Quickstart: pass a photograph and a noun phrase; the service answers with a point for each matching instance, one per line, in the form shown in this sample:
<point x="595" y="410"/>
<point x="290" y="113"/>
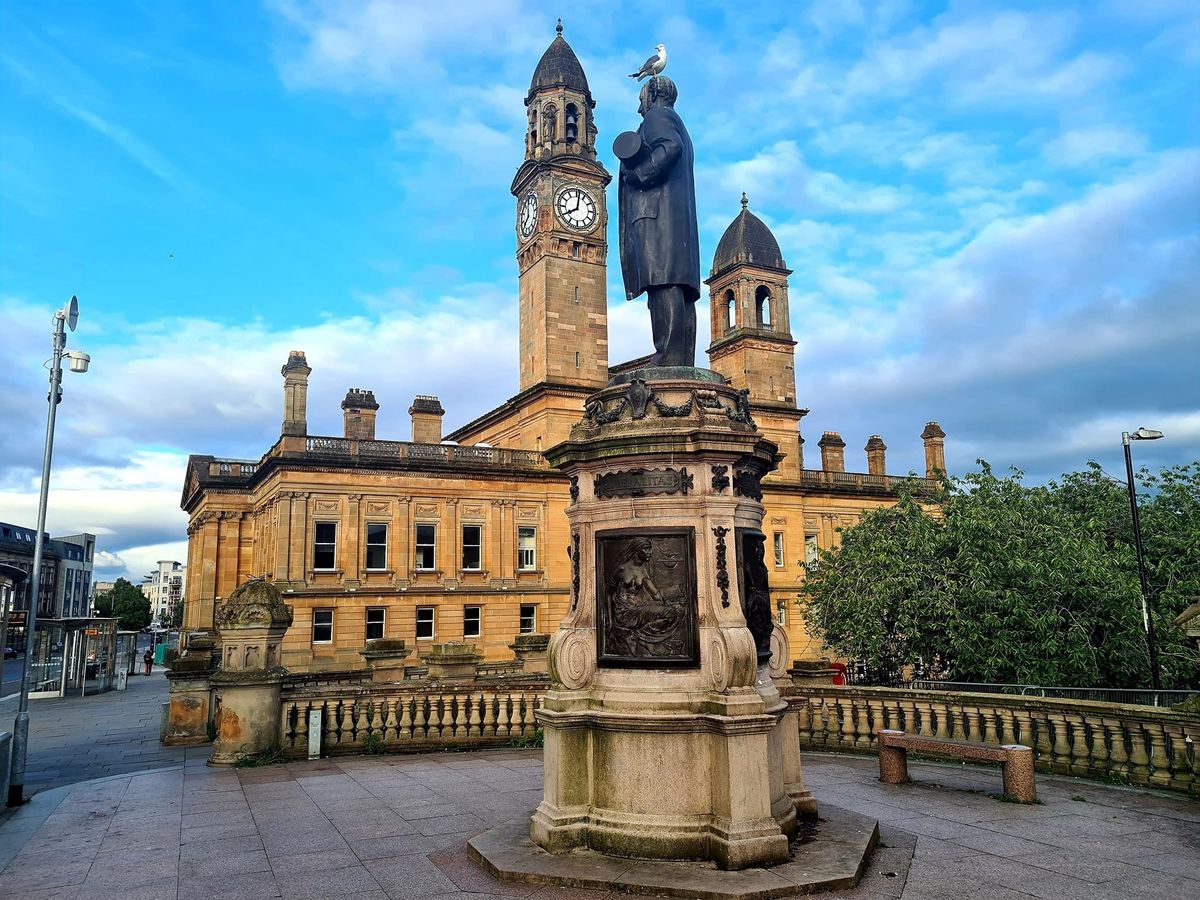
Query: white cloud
<point x="1080" y="146"/>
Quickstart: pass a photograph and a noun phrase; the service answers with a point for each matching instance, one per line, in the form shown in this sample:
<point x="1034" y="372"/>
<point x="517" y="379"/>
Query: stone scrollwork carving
<point x="594" y="412"/>
<point x="722" y="568"/>
<point x="574" y="489"/>
<point x="778" y="666"/>
<point x="746" y="484"/>
<point x="572" y="657"/>
<point x="718" y="662"/>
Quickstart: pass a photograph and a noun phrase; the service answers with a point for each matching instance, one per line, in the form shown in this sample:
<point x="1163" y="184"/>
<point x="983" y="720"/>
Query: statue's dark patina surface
<point x="660" y="245"/>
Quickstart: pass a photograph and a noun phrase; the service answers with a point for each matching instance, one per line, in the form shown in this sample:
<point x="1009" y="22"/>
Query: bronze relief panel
<point x="646" y="598"/>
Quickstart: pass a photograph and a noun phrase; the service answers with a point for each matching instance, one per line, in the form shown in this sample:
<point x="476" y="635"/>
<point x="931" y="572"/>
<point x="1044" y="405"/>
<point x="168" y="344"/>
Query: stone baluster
<point x="846" y="715"/>
<point x="990" y="735"/>
<point x="362" y="724"/>
<point x="1061" y="758"/>
<point x="502" y="729"/>
<point x="405" y="731"/>
<point x="942" y="730"/>
<point x="1118" y="748"/>
<point x="862" y="736"/>
<point x="434" y="723"/>
<point x="908" y="718"/>
<point x="878" y="718"/>
<point x="971" y="715"/>
<point x="1006" y="732"/>
<point x="1080" y="751"/>
<point x="925" y="709"/>
<point x="489" y="714"/>
<point x="1099" y="758"/>
<point x="474" y="722"/>
<point x="460" y="716"/>
<point x="346" y="724"/>
<point x="1040" y="720"/>
<point x="419" y="729"/>
<point x="1160" y="765"/>
<point x="287" y="728"/>
<point x="804" y="721"/>
<point x="1182" y="777"/>
<point x="1139" y="759"/>
<point x="390" y="729"/>
<point x="530" y="720"/>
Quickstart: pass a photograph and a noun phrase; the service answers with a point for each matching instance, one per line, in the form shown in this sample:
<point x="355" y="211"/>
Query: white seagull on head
<point x="654" y="65"/>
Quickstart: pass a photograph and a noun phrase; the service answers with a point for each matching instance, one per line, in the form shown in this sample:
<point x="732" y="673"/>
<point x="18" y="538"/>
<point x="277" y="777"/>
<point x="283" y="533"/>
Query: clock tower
<point x="561" y="222"/>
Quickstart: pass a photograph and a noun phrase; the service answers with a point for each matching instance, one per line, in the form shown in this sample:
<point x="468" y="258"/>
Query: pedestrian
<point x="148" y="659"/>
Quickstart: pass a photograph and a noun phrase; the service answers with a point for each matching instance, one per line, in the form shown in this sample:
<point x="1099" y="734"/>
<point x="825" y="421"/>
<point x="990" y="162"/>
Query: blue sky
<point x="991" y="210"/>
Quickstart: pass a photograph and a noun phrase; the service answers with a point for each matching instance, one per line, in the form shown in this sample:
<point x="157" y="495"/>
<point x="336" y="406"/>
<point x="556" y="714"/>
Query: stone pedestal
<point x="385" y="659"/>
<point x="665" y="734"/>
<point x="452" y="661"/>
<point x="533" y="651"/>
<point x="189" y="710"/>
<point x="251" y="625"/>
<point x="812" y="673"/>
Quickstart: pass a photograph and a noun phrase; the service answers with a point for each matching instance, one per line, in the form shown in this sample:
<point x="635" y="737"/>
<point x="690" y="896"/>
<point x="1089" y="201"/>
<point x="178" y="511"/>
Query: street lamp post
<point x="1142" y="434"/>
<point x="63" y="319"/>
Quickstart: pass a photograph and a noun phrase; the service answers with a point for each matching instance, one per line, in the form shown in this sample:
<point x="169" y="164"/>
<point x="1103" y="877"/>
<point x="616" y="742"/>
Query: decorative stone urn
<point x="665" y="733"/>
<point x="251" y="625"/>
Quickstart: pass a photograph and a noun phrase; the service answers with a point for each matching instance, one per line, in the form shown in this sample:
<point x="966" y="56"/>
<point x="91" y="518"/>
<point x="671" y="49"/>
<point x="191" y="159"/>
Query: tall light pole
<point x="1142" y="434"/>
<point x="63" y="319"/>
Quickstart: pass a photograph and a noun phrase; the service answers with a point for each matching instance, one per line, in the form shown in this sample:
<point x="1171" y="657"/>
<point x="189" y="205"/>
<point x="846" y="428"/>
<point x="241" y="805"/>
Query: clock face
<point x="576" y="208"/>
<point x="527" y="217"/>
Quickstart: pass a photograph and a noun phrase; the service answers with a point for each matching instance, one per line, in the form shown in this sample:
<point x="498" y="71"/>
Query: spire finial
<point x="745" y="202"/>
<point x="558" y="27"/>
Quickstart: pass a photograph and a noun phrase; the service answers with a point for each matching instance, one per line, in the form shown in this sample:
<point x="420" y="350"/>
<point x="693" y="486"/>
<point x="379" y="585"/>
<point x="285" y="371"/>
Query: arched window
<point x="762" y="306"/>
<point x="550" y="122"/>
<point x="730" y="311"/>
<point x="533" y="129"/>
<point x="572" y="123"/>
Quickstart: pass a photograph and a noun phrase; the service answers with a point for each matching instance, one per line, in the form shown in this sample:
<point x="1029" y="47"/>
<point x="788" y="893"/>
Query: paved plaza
<point x="115" y="815"/>
<point x="397" y="826"/>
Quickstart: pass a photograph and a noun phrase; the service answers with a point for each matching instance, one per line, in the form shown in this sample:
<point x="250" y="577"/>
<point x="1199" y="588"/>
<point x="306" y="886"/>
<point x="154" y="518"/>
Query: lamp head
<point x="1145" y="434"/>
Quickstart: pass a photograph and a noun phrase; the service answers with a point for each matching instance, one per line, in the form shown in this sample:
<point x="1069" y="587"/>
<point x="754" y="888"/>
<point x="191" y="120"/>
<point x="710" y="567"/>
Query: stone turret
<point x="833" y="452"/>
<point x="358" y="413"/>
<point x="935" y="449"/>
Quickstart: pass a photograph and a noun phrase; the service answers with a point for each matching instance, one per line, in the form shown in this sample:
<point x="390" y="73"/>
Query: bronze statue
<point x="660" y="244"/>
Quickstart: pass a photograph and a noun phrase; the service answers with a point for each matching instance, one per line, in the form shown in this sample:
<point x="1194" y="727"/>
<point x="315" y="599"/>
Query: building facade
<point x="163" y="587"/>
<point x="64" y="587"/>
<point x="462" y="536"/>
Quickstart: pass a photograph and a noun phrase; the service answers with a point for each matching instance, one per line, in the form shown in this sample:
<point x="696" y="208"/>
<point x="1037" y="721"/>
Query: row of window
<point x="376" y="621"/>
<point x="810" y="550"/>
<point x="424" y="547"/>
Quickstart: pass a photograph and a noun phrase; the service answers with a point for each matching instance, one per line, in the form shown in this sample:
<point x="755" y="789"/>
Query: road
<point x="10" y="683"/>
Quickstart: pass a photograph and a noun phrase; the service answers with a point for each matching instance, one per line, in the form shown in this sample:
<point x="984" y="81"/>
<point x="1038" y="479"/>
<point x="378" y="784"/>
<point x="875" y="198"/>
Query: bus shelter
<point x="73" y="655"/>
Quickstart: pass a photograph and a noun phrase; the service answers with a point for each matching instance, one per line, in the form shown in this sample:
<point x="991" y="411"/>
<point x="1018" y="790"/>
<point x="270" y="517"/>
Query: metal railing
<point x="1136" y="696"/>
<point x="496" y="456"/>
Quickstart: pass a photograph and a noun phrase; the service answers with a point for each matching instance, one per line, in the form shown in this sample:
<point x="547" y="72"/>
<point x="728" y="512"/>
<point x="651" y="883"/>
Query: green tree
<point x="127" y="603"/>
<point x="1013" y="583"/>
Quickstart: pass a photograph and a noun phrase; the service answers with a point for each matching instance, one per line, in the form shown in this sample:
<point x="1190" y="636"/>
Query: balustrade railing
<point x="861" y="480"/>
<point x="411" y="719"/>
<point x="1137" y="744"/>
<point x="498" y="456"/>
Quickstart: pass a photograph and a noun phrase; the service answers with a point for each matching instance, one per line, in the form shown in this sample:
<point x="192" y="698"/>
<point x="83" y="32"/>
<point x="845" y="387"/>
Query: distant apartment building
<point x="164" y="587"/>
<point x="65" y="581"/>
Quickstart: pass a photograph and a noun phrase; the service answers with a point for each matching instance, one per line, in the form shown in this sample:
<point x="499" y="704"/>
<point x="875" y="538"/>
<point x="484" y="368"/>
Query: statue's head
<point x="659" y="90"/>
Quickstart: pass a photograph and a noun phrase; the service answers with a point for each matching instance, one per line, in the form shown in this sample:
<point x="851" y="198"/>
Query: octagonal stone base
<point x="834" y="859"/>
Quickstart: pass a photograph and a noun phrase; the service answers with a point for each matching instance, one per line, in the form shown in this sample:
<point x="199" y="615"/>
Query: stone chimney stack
<point x="833" y="452"/>
<point x="935" y="449"/>
<point x="876" y="455"/>
<point x="426" y="414"/>
<point x="358" y="413"/>
<point x="295" y="395"/>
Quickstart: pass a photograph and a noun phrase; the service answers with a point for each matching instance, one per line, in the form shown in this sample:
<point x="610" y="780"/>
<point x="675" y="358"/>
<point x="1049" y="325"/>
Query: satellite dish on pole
<point x="73" y="312"/>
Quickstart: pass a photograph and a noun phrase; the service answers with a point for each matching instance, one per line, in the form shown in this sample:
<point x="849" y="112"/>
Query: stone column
<point x="251" y="625"/>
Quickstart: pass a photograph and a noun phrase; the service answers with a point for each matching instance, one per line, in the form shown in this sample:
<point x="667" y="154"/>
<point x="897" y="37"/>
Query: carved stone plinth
<point x="385" y="658"/>
<point x="533" y="651"/>
<point x="665" y="734"/>
<point x="251" y="625"/>
<point x="454" y="661"/>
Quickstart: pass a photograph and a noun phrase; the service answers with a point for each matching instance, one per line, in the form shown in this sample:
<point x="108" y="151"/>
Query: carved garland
<point x="574" y="570"/>
<point x="722" y="572"/>
<point x="668" y="411"/>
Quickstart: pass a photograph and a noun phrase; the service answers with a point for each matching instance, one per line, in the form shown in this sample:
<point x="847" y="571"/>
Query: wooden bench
<point x="1016" y="761"/>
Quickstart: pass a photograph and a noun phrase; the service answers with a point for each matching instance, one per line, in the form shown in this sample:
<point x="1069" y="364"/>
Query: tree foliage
<point x="1016" y="583"/>
<point x="127" y="603"/>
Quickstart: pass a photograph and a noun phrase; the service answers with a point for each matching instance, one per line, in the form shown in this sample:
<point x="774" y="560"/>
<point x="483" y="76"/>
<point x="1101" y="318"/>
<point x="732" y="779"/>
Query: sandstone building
<point x="462" y="536"/>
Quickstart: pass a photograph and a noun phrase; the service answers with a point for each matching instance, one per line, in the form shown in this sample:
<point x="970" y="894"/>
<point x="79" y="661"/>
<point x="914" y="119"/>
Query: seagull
<point x="654" y="65"/>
